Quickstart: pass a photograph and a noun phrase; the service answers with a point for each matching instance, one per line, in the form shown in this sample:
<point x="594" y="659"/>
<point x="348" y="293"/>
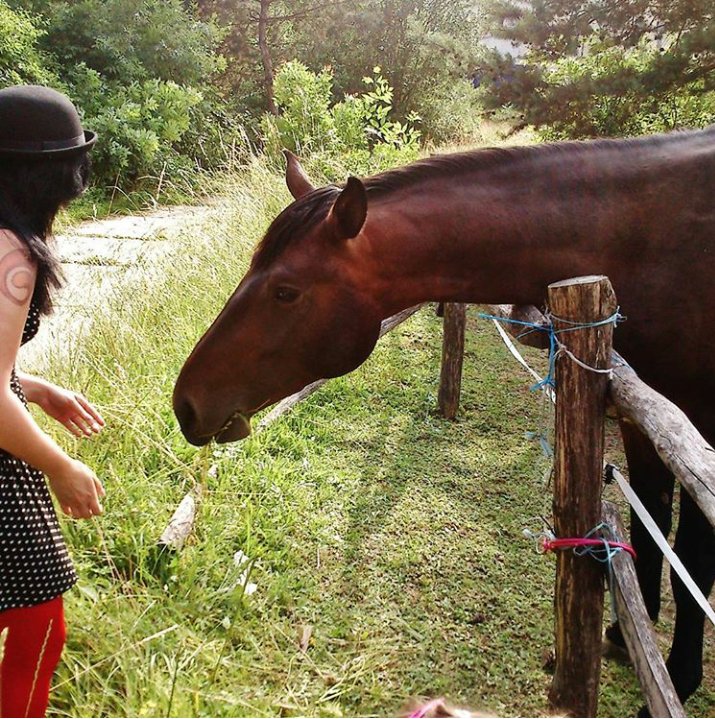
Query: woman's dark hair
<point x="32" y="190"/>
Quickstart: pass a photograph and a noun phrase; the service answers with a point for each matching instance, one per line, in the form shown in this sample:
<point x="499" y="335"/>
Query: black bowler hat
<point x="39" y="121"/>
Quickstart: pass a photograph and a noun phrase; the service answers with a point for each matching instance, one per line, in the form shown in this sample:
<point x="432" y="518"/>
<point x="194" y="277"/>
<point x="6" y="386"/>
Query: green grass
<point x="390" y="536"/>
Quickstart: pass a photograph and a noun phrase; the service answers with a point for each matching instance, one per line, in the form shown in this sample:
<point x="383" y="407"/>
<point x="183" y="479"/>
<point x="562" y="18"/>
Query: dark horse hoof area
<point x="614" y="646"/>
<point x="614" y="635"/>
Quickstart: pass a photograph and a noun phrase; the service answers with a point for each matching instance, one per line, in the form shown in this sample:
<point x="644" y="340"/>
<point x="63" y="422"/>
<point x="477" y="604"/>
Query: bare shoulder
<point x="17" y="270"/>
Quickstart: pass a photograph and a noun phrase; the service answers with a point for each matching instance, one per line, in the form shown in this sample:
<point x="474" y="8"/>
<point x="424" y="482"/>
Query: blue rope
<point x="605" y="555"/>
<point x="549" y="380"/>
<point x="546" y="448"/>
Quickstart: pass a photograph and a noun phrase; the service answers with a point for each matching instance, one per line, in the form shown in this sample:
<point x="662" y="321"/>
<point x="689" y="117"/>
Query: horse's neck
<point x="491" y="246"/>
<point x="500" y="233"/>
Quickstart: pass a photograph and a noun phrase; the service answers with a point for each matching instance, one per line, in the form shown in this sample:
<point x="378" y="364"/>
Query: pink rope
<point x="550" y="545"/>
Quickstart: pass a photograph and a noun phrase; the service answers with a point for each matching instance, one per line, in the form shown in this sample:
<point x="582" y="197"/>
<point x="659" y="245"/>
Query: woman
<point x="43" y="165"/>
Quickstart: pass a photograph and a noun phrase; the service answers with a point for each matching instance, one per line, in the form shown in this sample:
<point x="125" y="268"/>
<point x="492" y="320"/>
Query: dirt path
<point x="98" y="258"/>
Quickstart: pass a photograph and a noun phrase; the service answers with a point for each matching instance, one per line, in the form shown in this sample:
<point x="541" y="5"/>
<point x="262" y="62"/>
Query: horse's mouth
<point x="237" y="427"/>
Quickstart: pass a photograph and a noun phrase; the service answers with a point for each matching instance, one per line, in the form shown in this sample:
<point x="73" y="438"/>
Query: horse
<point x="491" y="226"/>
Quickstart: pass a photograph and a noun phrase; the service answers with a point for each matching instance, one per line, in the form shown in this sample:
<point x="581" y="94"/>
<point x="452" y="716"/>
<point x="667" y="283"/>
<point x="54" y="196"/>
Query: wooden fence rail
<point x="637" y="628"/>
<point x="182" y="521"/>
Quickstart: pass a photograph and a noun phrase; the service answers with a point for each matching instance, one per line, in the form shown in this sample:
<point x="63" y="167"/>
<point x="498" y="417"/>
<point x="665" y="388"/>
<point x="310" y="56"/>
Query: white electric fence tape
<point x="662" y="542"/>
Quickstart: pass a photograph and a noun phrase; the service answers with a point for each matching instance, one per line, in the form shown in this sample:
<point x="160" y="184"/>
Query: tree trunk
<point x="268" y="76"/>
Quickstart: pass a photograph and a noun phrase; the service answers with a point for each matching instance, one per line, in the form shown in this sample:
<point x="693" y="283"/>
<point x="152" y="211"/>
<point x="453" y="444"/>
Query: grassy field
<point x="385" y="543"/>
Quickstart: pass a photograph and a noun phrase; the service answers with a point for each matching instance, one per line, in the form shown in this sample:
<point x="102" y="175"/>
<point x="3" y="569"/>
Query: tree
<point x="606" y="67"/>
<point x="426" y="48"/>
<point x="258" y="37"/>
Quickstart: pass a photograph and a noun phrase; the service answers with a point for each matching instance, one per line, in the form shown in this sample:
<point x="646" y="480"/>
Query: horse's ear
<point x="349" y="210"/>
<point x="296" y="179"/>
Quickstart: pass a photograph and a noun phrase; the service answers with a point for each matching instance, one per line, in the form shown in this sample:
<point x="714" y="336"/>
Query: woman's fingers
<point x="100" y="489"/>
<point x="92" y="414"/>
<point x="84" y="419"/>
<point x="80" y="426"/>
<point x="74" y="428"/>
<point x="80" y="422"/>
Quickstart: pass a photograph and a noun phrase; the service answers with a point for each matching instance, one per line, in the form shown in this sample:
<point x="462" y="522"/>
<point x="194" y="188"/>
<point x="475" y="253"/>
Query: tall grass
<point x="386" y="544"/>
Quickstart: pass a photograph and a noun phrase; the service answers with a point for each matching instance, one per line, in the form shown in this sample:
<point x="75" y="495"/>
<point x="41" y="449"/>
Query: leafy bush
<point x="605" y="67"/>
<point x="357" y="132"/>
<point x="20" y="59"/>
<point x="138" y="125"/>
<point x="133" y="68"/>
<point x="129" y="40"/>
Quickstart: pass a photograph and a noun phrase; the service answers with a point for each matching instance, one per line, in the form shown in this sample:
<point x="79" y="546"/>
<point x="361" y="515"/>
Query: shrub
<point x="357" y="132"/>
<point x="619" y="102"/>
<point x="20" y="59"/>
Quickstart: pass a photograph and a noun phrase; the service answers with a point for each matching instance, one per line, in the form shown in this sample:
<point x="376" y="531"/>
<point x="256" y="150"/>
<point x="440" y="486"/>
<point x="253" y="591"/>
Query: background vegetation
<point x="176" y="88"/>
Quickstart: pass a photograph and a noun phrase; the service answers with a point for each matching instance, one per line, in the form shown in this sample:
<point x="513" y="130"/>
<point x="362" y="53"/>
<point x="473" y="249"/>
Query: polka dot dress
<point x="34" y="564"/>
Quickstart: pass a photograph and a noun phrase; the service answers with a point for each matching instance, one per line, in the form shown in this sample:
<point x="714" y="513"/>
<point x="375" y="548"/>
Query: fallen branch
<point x="182" y="521"/>
<point x="289" y="402"/>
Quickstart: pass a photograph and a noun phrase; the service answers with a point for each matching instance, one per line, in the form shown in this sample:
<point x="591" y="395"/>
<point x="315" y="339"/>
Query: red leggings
<point x="33" y="647"/>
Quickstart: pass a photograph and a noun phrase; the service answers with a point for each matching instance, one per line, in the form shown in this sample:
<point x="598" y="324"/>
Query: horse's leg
<point x="695" y="546"/>
<point x="653" y="483"/>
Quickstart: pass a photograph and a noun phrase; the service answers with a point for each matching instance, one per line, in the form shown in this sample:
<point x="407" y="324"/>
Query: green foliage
<point x="359" y="130"/>
<point x="607" y="68"/>
<point x="134" y="69"/>
<point x="605" y="92"/>
<point x="425" y="49"/>
<point x="21" y="61"/>
<point x="128" y="40"/>
<point x="140" y="124"/>
<point x="151" y="78"/>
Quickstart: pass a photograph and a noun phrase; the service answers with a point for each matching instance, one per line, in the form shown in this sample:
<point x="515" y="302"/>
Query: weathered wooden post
<point x="580" y="411"/>
<point x="450" y="384"/>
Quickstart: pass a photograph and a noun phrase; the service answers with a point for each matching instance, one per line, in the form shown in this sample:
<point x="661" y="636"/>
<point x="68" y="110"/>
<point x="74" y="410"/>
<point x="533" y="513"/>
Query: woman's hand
<point x="77" y="489"/>
<point x="70" y="409"/>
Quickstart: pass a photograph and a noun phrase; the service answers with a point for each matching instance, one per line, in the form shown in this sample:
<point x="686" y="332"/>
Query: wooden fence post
<point x="580" y="411"/>
<point x="450" y="384"/>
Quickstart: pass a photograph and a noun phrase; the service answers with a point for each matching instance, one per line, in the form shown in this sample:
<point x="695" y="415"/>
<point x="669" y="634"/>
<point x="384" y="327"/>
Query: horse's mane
<point x="454" y="165"/>
<point x="294" y="221"/>
<point x="305" y="213"/>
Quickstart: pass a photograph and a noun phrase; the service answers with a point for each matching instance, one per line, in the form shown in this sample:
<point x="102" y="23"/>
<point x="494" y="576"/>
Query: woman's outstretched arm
<point x="70" y="409"/>
<point x="74" y="484"/>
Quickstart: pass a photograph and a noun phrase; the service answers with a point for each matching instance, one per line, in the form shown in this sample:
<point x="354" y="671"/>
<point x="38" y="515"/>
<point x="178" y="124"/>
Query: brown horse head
<point x="300" y="314"/>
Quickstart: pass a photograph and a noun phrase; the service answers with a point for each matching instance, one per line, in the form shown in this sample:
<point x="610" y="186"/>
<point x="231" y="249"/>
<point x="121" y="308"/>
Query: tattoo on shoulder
<point x="17" y="274"/>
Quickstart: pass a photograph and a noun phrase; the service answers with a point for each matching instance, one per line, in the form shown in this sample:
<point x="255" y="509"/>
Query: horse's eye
<point x="286" y="294"/>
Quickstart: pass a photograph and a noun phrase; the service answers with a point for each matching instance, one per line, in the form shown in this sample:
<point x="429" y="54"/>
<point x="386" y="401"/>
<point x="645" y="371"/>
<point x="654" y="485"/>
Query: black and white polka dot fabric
<point x="34" y="564"/>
